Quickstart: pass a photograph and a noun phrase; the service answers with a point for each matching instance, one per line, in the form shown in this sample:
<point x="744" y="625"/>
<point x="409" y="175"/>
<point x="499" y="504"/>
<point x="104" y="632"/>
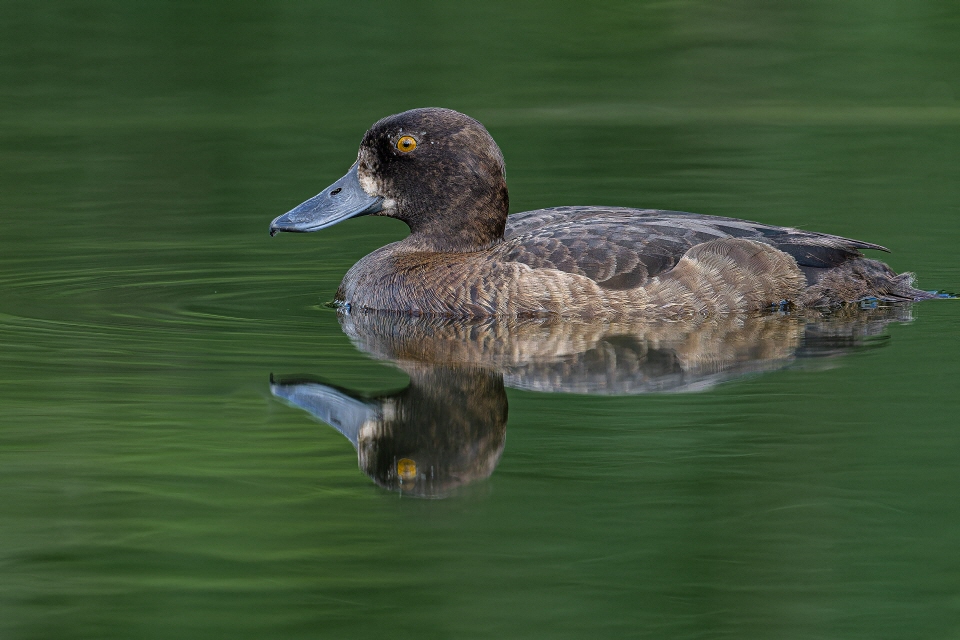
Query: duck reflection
<point x="447" y="428"/>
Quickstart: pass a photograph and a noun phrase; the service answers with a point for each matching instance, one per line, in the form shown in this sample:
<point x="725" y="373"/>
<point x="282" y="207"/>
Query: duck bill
<point x="328" y="404"/>
<point x="344" y="199"/>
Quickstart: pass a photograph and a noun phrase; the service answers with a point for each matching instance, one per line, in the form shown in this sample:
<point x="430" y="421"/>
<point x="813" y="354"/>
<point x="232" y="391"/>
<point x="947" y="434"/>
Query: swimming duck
<point x="441" y="173"/>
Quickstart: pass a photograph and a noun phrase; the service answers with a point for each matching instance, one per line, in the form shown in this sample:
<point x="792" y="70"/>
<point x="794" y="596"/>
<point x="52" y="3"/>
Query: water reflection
<point x="447" y="427"/>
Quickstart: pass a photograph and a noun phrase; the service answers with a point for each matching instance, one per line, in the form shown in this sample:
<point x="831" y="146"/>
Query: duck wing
<point x="622" y="248"/>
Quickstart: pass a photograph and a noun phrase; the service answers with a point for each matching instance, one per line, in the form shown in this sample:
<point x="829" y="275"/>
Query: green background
<point x="151" y="487"/>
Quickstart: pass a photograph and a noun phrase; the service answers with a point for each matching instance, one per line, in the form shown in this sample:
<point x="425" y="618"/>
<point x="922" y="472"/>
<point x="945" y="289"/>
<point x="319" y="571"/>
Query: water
<point x="152" y="485"/>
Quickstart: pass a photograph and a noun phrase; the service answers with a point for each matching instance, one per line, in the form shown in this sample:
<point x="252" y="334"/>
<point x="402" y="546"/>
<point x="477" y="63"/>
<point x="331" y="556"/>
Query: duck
<point x="441" y="172"/>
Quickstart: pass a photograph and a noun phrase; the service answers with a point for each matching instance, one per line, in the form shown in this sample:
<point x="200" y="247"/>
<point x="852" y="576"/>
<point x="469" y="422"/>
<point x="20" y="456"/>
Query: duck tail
<point x="862" y="279"/>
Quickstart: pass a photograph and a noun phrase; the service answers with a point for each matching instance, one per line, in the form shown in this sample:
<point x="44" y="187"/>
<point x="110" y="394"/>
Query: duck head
<point x="437" y="170"/>
<point x="446" y="429"/>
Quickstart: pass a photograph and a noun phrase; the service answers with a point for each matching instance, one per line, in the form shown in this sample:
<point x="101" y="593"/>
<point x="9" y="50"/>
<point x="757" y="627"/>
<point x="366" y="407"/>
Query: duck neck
<point x="470" y="219"/>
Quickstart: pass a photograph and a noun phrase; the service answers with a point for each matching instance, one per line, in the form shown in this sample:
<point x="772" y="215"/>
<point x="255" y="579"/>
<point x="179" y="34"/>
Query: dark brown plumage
<point x="464" y="257"/>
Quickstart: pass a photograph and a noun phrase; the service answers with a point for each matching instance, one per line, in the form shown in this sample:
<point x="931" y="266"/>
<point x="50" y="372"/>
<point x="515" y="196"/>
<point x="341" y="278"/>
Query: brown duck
<point x="441" y="173"/>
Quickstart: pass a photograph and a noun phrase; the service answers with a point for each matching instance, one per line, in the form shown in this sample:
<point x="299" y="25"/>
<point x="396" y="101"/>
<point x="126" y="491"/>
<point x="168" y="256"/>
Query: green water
<point x="152" y="486"/>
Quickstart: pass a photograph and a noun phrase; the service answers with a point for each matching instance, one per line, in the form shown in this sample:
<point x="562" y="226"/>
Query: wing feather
<point x="623" y="248"/>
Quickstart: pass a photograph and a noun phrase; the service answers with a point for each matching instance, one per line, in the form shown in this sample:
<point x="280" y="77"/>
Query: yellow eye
<point x="406" y="144"/>
<point x="407" y="468"/>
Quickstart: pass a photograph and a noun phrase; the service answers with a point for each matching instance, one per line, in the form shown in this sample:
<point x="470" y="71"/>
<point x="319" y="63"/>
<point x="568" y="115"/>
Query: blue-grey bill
<point x="328" y="404"/>
<point x="344" y="199"/>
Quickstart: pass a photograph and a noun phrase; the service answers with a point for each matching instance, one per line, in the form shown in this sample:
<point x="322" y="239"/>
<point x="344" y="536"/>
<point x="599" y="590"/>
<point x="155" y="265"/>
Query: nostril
<point x="336" y="191"/>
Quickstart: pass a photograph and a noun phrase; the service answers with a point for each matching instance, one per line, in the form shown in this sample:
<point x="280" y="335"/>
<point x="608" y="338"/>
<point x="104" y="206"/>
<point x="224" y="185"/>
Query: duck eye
<point x="407" y="468"/>
<point x="406" y="144"/>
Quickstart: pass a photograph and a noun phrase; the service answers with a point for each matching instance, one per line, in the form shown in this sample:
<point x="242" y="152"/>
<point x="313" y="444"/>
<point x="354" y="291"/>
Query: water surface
<point x="152" y="485"/>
